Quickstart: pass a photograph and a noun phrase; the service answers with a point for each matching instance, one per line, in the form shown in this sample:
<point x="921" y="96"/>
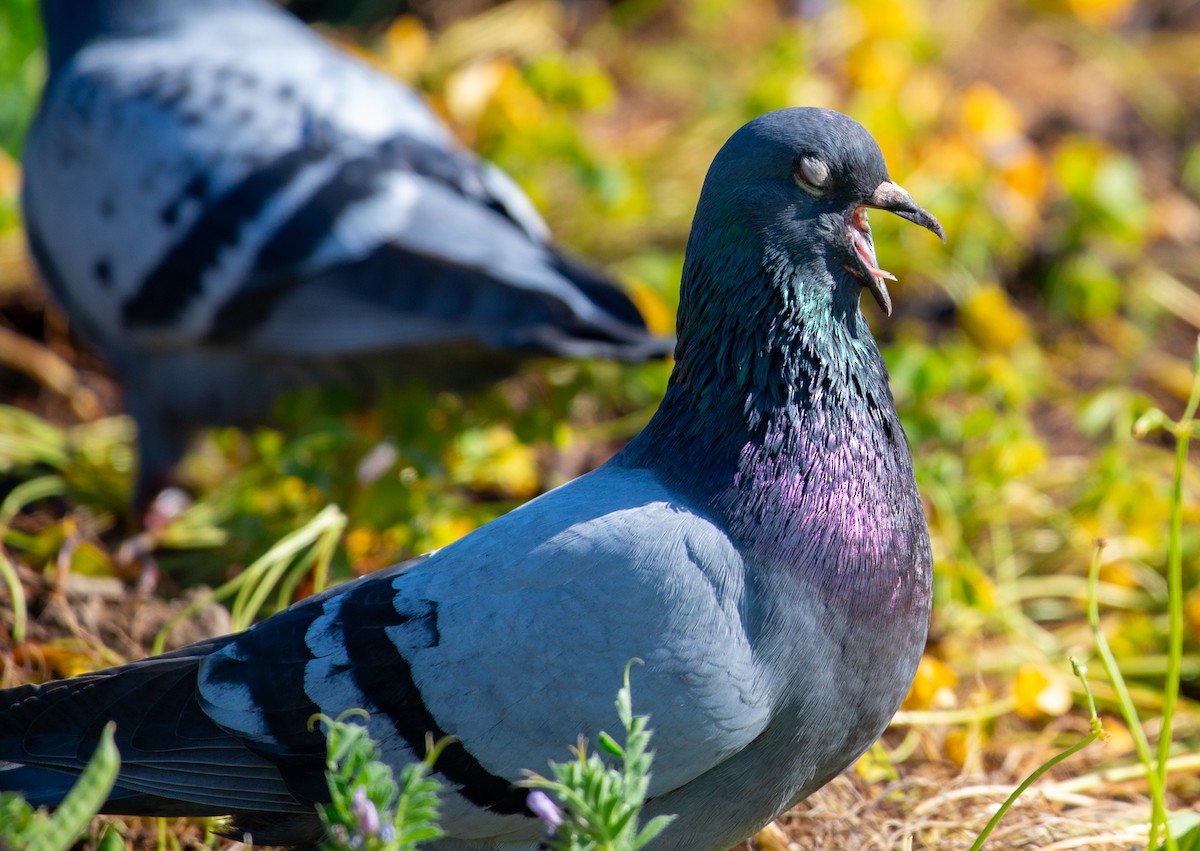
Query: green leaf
<point x="1151" y="421"/>
<point x="652" y="829"/>
<point x="609" y="745"/>
<point x="1185" y="827"/>
<point x="84" y="800"/>
<point x="111" y="840"/>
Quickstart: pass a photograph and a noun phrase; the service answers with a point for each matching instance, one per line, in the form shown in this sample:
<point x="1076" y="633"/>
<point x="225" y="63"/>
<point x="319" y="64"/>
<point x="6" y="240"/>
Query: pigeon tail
<point x="175" y="761"/>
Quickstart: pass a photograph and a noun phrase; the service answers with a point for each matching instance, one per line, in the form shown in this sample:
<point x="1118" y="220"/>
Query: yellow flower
<point x="447" y="530"/>
<point x="878" y="66"/>
<point x="521" y="108"/>
<point x="955" y="160"/>
<point x="1121" y="572"/>
<point x="471" y="90"/>
<point x="297" y="493"/>
<point x="963" y="746"/>
<point x="494" y="460"/>
<point x="10" y="177"/>
<point x="992" y="321"/>
<point x="360" y="543"/>
<point x="1025" y="173"/>
<point x="990" y="116"/>
<point x="924" y="96"/>
<point x="933" y="687"/>
<point x="660" y="316"/>
<point x="901" y="20"/>
<point x="1025" y="178"/>
<point x="405" y="47"/>
<point x="1040" y="693"/>
<point x="772" y="838"/>
<point x="1020" y="456"/>
<point x="1101" y="13"/>
<point x="1191" y="610"/>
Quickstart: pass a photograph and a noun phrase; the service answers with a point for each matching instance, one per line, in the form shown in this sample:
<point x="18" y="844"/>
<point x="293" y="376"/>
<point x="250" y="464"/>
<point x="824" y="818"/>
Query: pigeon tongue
<point x="860" y="233"/>
<point x="864" y="249"/>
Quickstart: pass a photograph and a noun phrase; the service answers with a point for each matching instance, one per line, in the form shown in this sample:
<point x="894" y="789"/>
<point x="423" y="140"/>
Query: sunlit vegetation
<point x="1055" y="140"/>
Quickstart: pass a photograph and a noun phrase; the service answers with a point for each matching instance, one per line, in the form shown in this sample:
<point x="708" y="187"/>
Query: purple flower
<point x="544" y="808"/>
<point x="366" y="813"/>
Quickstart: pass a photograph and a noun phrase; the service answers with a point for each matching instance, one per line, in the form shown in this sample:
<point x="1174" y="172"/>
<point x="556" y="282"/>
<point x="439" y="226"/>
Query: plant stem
<point x="1097" y="732"/>
<point x="1183" y="435"/>
<point x="17" y="499"/>
<point x="254" y="583"/>
<point x="938" y="717"/>
<point x="1158" y="814"/>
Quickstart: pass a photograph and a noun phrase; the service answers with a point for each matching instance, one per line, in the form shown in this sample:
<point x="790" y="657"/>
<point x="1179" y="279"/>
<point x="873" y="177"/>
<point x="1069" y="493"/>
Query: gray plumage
<point x="228" y="206"/>
<point x="761" y="545"/>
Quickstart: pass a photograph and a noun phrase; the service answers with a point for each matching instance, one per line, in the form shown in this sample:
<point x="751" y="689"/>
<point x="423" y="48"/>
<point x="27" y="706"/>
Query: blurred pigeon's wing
<point x="230" y="207"/>
<point x="378" y="244"/>
<point x="251" y="185"/>
<point x="179" y="153"/>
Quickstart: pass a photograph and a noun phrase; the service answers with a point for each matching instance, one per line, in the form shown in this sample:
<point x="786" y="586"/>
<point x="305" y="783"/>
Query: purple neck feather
<point x="789" y="438"/>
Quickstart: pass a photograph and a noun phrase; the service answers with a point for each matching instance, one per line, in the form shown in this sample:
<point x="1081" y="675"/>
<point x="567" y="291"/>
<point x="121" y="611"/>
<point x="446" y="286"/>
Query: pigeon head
<point x="795" y="186"/>
<point x="777" y="376"/>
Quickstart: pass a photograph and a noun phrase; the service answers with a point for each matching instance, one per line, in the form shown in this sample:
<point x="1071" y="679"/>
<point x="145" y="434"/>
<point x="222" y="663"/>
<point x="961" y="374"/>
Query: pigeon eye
<point x="812" y="175"/>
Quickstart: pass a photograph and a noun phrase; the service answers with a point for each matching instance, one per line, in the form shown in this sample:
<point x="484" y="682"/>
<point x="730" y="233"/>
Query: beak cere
<point x="887" y="196"/>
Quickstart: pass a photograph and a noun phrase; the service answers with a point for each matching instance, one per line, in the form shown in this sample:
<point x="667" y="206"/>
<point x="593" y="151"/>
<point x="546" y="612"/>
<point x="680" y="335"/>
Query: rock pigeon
<point x="761" y="545"/>
<point x="228" y="206"/>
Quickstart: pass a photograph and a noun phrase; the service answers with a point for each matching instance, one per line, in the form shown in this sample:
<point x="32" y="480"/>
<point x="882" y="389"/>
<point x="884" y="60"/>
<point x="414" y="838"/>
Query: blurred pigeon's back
<point x="228" y="207"/>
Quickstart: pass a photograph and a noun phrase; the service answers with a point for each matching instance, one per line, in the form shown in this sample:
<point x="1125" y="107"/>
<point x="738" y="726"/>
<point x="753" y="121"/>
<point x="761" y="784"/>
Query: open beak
<point x="893" y="198"/>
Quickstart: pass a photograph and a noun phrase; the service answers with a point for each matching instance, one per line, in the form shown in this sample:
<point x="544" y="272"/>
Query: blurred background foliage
<point x="1057" y="141"/>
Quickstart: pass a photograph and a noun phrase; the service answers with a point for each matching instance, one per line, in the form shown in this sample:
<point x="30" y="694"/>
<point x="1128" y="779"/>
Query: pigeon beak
<point x="893" y="198"/>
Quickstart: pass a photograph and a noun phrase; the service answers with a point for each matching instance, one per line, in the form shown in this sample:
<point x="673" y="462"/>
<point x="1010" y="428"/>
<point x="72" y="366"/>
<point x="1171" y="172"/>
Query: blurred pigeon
<point x="761" y="545"/>
<point x="228" y="206"/>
